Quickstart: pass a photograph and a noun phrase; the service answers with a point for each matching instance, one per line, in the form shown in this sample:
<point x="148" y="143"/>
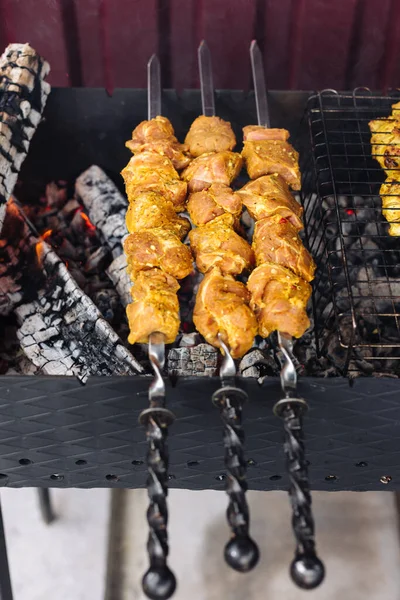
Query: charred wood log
<point x="23" y="95"/>
<point x="200" y="360"/>
<point x="63" y="333"/>
<point x="106" y="208"/>
<point x="105" y="205"/>
<point x="118" y="274"/>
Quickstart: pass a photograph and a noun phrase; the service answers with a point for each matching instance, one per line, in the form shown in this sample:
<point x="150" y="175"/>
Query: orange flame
<point x="40" y="245"/>
<point x="39" y="252"/>
<point x="88" y="222"/>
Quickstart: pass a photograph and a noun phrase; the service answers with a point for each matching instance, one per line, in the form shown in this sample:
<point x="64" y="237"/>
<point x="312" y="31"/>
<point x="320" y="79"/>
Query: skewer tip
<point x="153" y="60"/>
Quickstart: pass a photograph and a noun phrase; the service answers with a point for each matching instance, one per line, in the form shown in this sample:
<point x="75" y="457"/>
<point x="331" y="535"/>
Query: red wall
<point x="307" y="44"/>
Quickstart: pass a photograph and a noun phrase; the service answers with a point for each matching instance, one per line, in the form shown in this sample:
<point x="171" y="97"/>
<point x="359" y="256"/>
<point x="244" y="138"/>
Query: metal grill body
<point x="357" y="290"/>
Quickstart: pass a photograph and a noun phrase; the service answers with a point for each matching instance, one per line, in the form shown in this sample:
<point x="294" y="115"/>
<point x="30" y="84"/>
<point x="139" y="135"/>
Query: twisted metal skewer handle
<point x="241" y="552"/>
<point x="306" y="570"/>
<point x="159" y="582"/>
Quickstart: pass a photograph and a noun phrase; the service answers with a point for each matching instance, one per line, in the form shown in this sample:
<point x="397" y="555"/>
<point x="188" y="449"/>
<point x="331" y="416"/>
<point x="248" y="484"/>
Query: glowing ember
<point x="88" y="222"/>
<point x="350" y="211"/>
<point x="46" y="234"/>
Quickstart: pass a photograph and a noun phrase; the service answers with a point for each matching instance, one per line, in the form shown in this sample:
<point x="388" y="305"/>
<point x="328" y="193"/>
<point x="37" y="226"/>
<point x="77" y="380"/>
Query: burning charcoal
<point x="71" y="207"/>
<point x="24" y="366"/>
<point x="63" y="333"/>
<point x="77" y="275"/>
<point x="66" y="250"/>
<point x="55" y="196"/>
<point x="97" y="260"/>
<point x="77" y="226"/>
<point x="16" y="244"/>
<point x="23" y="95"/>
<point x="105" y="205"/>
<point x="118" y="274"/>
<point x="201" y="360"/>
<point x="108" y="303"/>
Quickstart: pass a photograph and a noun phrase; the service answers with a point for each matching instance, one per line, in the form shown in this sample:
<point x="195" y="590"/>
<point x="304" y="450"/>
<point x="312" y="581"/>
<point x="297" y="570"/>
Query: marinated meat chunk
<point x="276" y="240"/>
<point x="385" y="142"/>
<point x="272" y="156"/>
<point x="212" y="202"/>
<point x="222" y="307"/>
<point x="218" y="245"/>
<point x="390" y="194"/>
<point x="157" y="248"/>
<point x="269" y="195"/>
<point x="209" y="134"/>
<point x="214" y="167"/>
<point x="154" y="307"/>
<point x="152" y="172"/>
<point x="157" y="135"/>
<point x="279" y="299"/>
<point x="253" y="133"/>
<point x="148" y="210"/>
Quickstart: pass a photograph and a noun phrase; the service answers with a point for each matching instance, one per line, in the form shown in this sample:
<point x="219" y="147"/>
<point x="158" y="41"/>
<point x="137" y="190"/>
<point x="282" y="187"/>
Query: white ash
<point x="201" y="360"/>
<point x="190" y="339"/>
<point x="118" y="274"/>
<point x="257" y="363"/>
<point x="63" y="332"/>
<point x="106" y="206"/>
<point x="23" y="95"/>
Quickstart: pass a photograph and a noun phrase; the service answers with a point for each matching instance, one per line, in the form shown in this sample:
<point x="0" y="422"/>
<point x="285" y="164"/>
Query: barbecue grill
<point x="83" y="431"/>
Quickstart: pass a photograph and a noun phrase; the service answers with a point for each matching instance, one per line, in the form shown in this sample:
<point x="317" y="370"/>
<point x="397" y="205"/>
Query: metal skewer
<point x="241" y="552"/>
<point x="159" y="582"/>
<point x="307" y="571"/>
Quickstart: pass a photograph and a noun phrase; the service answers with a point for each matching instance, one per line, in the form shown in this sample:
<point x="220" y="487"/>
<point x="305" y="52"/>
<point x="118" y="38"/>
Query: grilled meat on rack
<point x="222" y="307"/>
<point x="385" y="143"/>
<point x="222" y="304"/>
<point x="278" y="286"/>
<point x="151" y="172"/>
<point x="268" y="196"/>
<point x="276" y="240"/>
<point x="213" y="202"/>
<point x="390" y="195"/>
<point x="154" y="307"/>
<point x="279" y="299"/>
<point x="209" y="134"/>
<point x="150" y="210"/>
<point x="160" y="248"/>
<point x="263" y="157"/>
<point x="155" y="254"/>
<point x="212" y="167"/>
<point x="218" y="245"/>
<point x="157" y="135"/>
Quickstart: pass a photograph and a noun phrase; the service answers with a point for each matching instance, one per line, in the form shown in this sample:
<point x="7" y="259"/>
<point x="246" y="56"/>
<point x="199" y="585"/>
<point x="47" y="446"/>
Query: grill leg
<point x="46" y="508"/>
<point x="5" y="579"/>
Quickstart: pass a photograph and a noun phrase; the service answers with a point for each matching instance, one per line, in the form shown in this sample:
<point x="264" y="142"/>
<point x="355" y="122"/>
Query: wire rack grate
<point x="357" y="289"/>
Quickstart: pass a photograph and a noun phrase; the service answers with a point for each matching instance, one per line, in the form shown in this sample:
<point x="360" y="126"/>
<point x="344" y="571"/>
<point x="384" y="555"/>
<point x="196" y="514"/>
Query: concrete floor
<point x="357" y="538"/>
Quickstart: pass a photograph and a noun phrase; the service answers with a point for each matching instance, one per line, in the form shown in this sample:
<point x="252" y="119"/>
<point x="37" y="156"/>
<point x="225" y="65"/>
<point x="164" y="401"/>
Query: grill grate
<point x="357" y="289"/>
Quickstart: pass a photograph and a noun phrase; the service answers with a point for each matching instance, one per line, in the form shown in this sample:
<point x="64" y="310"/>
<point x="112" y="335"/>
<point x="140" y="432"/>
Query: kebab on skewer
<point x="156" y="258"/>
<point x="222" y="313"/>
<point x="385" y="144"/>
<point x="280" y="290"/>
